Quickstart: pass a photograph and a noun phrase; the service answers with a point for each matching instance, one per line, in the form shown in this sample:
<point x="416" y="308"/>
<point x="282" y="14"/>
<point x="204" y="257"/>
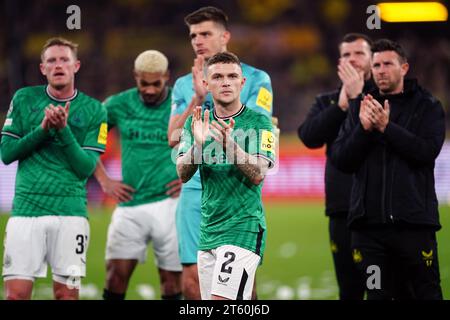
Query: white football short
<point x="227" y="271"/>
<point x="33" y="242"/>
<point x="132" y="228"/>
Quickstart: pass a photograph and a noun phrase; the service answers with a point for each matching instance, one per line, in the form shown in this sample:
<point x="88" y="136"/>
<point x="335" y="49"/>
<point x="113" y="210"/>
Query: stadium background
<point x="295" y="42"/>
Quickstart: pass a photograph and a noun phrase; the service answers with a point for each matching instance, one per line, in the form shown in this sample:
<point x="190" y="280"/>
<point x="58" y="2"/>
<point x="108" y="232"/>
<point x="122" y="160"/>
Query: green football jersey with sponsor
<point x="147" y="163"/>
<point x="232" y="210"/>
<point x="45" y="182"/>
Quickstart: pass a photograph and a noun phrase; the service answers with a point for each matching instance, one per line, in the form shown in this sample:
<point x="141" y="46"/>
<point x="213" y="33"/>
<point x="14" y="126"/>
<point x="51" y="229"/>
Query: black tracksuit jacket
<point x="393" y="171"/>
<point x="321" y="127"/>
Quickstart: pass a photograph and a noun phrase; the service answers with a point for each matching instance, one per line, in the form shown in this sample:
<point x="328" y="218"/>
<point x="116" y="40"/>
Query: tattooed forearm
<point x="254" y="168"/>
<point x="187" y="164"/>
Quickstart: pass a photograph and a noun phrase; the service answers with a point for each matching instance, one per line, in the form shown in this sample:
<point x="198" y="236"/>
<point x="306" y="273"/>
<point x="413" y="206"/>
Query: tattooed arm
<point x="253" y="167"/>
<point x="187" y="163"/>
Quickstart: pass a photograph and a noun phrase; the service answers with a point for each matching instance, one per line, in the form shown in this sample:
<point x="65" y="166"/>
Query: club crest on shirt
<point x="428" y="257"/>
<point x="35" y="108"/>
<point x="77" y="120"/>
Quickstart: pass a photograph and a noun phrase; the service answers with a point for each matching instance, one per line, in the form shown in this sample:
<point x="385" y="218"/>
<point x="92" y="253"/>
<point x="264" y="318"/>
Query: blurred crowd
<point x="295" y="41"/>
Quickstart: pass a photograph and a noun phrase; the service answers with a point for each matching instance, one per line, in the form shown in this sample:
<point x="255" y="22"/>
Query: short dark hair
<point x="207" y="14"/>
<point x="59" y="41"/>
<point x="223" y="57"/>
<point x="389" y="45"/>
<point x="350" y="37"/>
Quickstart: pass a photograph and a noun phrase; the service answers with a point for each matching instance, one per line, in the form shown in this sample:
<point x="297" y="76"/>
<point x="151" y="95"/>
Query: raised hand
<point x="200" y="128"/>
<point x="352" y="80"/>
<point x="221" y="131"/>
<point x="45" y="124"/>
<point x="343" y="100"/>
<point x="56" y="117"/>
<point x="197" y="79"/>
<point x="379" y="116"/>
<point x="364" y="115"/>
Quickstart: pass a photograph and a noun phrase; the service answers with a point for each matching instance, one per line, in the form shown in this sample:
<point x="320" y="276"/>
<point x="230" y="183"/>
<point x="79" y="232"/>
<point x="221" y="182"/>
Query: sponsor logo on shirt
<point x="155" y="136"/>
<point x="103" y="134"/>
<point x="268" y="141"/>
<point x="264" y="99"/>
<point x="8" y="122"/>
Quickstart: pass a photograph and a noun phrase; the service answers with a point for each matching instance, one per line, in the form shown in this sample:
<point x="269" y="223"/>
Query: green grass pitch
<point x="297" y="262"/>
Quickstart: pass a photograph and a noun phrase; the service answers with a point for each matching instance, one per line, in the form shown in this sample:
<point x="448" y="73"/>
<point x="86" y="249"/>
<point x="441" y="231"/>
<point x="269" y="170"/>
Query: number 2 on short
<point x="231" y="256"/>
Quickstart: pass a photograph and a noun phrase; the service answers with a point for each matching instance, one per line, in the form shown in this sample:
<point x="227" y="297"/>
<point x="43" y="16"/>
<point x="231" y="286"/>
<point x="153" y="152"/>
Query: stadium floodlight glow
<point x="412" y="11"/>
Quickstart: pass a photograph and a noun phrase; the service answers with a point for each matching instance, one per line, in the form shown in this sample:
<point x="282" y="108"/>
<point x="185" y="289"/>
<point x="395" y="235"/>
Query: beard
<point x="154" y="99"/>
<point x="387" y="86"/>
<point x="151" y="99"/>
<point x="59" y="86"/>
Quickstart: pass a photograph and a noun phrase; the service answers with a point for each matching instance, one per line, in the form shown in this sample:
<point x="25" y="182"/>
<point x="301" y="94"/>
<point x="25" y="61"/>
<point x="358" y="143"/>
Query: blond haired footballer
<point x="148" y="192"/>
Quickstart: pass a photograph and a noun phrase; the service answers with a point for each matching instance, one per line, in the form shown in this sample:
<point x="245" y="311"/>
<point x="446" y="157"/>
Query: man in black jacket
<point x="322" y="127"/>
<point x="390" y="141"/>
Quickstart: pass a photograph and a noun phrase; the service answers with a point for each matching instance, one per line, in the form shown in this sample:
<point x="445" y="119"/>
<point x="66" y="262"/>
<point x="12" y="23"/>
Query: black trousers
<point x="350" y="281"/>
<point x="406" y="258"/>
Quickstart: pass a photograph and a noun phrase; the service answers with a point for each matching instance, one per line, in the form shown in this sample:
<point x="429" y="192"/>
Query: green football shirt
<point x="45" y="182"/>
<point x="232" y="210"/>
<point x="147" y="163"/>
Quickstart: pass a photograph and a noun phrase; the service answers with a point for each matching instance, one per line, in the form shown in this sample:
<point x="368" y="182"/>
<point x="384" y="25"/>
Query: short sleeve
<point x="110" y="105"/>
<point x="97" y="134"/>
<point x="179" y="103"/>
<point x="260" y="97"/>
<point x="13" y="126"/>
<point x="266" y="145"/>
